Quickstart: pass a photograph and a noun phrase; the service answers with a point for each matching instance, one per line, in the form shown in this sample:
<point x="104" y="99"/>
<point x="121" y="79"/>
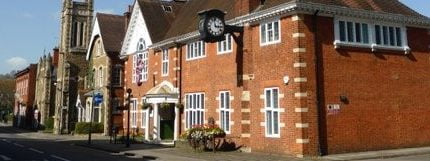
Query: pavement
<point x="47" y="147"/>
<point x="383" y="154"/>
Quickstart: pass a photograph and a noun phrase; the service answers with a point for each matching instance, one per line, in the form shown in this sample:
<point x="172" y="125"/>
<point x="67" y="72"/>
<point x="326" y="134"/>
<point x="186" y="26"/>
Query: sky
<point x="30" y="27"/>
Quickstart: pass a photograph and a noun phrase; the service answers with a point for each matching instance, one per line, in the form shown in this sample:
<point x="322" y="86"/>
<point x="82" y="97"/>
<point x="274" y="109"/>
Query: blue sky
<point x="29" y="27"/>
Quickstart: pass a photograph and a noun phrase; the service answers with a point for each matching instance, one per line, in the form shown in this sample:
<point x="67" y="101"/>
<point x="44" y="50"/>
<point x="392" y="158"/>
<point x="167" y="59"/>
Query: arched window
<point x="141" y="45"/>
<point x="93" y="79"/>
<point x="101" y="77"/>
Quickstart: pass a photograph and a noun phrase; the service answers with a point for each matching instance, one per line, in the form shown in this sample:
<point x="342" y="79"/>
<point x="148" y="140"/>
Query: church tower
<point x="76" y="25"/>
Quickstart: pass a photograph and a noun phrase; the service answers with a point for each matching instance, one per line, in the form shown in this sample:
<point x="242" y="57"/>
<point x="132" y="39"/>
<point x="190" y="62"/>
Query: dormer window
<point x="167" y="8"/>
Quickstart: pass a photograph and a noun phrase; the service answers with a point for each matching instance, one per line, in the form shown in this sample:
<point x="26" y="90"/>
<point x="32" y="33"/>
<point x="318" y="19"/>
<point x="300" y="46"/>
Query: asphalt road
<point x="21" y="145"/>
<point x="15" y="146"/>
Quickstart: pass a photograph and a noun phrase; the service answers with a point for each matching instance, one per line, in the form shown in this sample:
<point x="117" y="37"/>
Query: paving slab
<point x="379" y="154"/>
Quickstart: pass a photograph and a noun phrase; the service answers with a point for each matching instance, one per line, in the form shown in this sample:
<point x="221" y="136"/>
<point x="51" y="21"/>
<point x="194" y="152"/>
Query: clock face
<point x="215" y="26"/>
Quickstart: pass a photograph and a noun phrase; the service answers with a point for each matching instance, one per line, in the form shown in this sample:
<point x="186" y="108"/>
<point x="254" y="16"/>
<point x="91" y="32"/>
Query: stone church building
<point x="46" y="76"/>
<point x="76" y="25"/>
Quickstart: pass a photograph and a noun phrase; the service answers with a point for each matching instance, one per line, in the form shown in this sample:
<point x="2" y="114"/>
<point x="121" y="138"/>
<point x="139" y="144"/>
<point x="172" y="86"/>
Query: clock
<point x="215" y="26"/>
<point x="212" y="25"/>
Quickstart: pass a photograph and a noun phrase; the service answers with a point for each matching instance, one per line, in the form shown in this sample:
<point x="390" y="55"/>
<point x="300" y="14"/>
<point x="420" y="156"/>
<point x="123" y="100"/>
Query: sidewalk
<point x="379" y="154"/>
<point x="168" y="153"/>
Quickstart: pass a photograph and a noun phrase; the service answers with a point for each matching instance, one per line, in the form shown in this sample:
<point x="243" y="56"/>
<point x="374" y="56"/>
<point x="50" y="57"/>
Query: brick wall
<point x="386" y="91"/>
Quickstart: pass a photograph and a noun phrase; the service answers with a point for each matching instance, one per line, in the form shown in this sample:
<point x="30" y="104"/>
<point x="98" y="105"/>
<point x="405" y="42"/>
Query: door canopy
<point x="163" y="90"/>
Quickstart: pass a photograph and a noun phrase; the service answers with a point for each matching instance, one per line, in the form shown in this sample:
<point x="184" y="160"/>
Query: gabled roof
<point x="384" y="6"/>
<point x="158" y="21"/>
<point x="112" y="31"/>
<point x="186" y="21"/>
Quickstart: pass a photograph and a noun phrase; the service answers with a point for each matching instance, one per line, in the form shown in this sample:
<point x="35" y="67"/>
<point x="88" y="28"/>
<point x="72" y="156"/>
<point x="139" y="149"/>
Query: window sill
<point x="338" y="44"/>
<point x="273" y="136"/>
<point x="224" y="52"/>
<point x="270" y="43"/>
<point x="195" y="58"/>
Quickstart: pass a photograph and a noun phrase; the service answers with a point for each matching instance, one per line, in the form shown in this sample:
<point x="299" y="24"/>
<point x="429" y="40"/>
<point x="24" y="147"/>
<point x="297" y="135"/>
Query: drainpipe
<point x="319" y="90"/>
<point x="179" y="53"/>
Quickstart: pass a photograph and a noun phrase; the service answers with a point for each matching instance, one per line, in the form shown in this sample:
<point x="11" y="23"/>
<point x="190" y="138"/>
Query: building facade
<point x="105" y="72"/>
<point x="76" y="25"/>
<point x="45" y="86"/>
<point x="149" y="22"/>
<point x="304" y="78"/>
<point x="24" y="97"/>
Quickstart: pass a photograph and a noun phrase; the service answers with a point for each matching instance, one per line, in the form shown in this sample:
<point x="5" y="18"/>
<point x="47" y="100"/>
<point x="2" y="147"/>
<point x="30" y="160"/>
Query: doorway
<point x="167" y="120"/>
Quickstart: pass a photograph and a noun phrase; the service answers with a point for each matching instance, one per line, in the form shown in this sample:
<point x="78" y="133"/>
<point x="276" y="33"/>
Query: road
<point x="21" y="145"/>
<point x="16" y="146"/>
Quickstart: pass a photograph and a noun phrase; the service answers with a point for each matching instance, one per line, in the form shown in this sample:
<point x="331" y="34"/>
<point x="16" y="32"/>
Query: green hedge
<point x="9" y="117"/>
<point x="49" y="123"/>
<point x="84" y="128"/>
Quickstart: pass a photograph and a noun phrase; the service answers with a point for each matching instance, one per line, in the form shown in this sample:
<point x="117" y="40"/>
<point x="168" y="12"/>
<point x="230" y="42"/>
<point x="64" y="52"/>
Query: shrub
<point x="84" y="128"/>
<point x="203" y="137"/>
<point x="49" y="123"/>
<point x="9" y="117"/>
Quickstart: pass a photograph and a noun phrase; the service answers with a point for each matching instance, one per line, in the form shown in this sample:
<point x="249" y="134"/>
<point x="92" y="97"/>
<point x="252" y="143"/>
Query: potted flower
<point x="146" y="106"/>
<point x="179" y="106"/>
<point x="165" y="105"/>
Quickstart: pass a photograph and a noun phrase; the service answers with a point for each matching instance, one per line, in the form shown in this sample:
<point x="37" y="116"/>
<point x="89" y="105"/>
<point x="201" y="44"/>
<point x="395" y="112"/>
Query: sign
<point x="98" y="99"/>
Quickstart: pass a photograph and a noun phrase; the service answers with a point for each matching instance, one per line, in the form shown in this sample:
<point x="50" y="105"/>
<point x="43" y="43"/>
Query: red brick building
<point x="304" y="78"/>
<point x="24" y="96"/>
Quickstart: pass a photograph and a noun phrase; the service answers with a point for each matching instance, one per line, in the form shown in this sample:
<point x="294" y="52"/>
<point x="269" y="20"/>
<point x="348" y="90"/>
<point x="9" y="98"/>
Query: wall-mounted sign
<point x="333" y="109"/>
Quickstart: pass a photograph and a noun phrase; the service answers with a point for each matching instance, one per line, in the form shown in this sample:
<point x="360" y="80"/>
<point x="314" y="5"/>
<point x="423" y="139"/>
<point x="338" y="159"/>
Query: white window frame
<point x="144" y="72"/>
<point x="194" y="110"/>
<point x="134" y="76"/>
<point x="371" y="35"/>
<point x="165" y="62"/>
<point x="143" y="118"/>
<point x="134" y="103"/>
<point x="272" y="109"/>
<point x="225" y="111"/>
<point x="193" y="51"/>
<point x="266" y="34"/>
<point x="225" y="46"/>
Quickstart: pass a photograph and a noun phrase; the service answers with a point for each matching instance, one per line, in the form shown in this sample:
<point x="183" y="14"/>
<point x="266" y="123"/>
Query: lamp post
<point x="91" y="119"/>
<point x="128" y="118"/>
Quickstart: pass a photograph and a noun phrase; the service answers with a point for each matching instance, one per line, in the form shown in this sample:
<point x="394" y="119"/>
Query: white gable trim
<point x="136" y="30"/>
<point x="94" y="34"/>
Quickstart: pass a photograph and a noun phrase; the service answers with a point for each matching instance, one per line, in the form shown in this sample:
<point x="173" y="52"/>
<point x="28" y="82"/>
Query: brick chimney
<point x="127" y="16"/>
<point x="243" y="7"/>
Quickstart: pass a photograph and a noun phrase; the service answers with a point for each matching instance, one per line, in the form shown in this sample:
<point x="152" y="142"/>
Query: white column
<point x="176" y="130"/>
<point x="156" y="129"/>
<point x="147" y="124"/>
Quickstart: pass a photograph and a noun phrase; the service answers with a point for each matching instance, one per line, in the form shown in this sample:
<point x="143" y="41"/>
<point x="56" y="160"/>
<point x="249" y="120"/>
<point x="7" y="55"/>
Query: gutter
<point x="306" y="8"/>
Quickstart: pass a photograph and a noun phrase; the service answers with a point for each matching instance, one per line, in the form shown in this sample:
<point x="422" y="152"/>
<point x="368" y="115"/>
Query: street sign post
<point x="97" y="100"/>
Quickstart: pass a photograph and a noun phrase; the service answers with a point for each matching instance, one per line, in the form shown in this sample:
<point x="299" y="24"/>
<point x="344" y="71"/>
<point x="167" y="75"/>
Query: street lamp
<point x="91" y="119"/>
<point x="128" y="118"/>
